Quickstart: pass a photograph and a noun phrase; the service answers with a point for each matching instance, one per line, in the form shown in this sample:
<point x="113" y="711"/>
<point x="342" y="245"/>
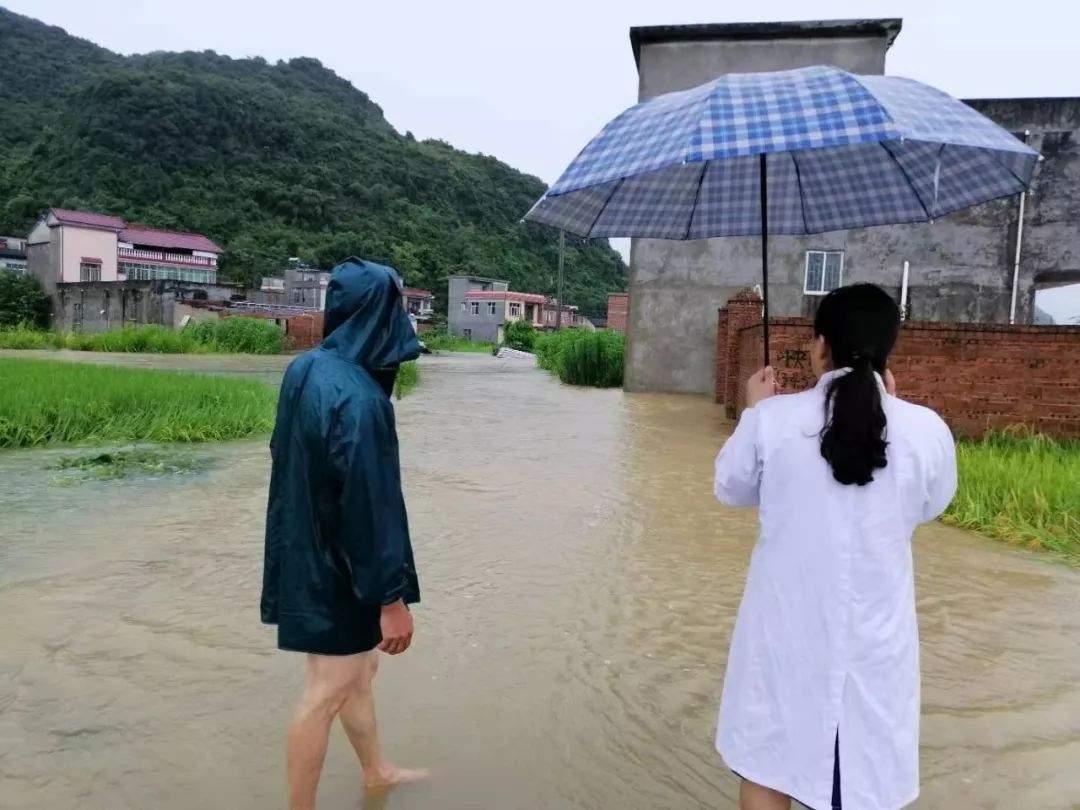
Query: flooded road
<point x="579" y="588"/>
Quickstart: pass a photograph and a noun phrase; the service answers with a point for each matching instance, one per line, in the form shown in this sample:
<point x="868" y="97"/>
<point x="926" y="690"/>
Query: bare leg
<point x="329" y="678"/>
<point x="753" y="796"/>
<point x="358" y="719"/>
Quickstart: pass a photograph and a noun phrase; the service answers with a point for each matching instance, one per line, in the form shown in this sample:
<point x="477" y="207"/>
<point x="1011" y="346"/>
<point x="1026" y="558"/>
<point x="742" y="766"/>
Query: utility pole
<point x="562" y="251"/>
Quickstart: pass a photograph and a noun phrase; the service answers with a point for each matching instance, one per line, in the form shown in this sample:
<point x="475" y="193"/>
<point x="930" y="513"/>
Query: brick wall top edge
<point x="1071" y="332"/>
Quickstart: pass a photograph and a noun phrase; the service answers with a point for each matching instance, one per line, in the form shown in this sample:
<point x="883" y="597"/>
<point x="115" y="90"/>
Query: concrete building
<point x="478" y="308"/>
<point x="102" y="272"/>
<point x="474" y="319"/>
<point x="13" y="254"/>
<point x="960" y="267"/>
<point x="67" y="247"/>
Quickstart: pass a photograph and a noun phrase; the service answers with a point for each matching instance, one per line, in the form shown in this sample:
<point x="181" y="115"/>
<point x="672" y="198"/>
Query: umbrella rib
<point x="1007" y="167"/>
<point x="910" y="182"/>
<point x="614" y="188"/>
<point x="802" y="199"/>
<point x="697" y="196"/>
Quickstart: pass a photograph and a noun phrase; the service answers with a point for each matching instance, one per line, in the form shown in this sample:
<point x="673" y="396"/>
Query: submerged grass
<point x="115" y="464"/>
<point x="234" y="335"/>
<point x="52" y="402"/>
<point x="580" y="357"/>
<point x="1022" y="488"/>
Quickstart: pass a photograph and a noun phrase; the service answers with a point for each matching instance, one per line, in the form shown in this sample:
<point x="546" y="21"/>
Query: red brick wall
<point x="976" y="376"/>
<point x="743" y="309"/>
<point x="618" y="311"/>
<point x="305" y="331"/>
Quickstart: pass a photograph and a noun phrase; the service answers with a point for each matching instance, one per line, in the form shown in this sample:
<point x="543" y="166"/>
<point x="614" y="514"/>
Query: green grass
<point x="235" y="335"/>
<point x="408" y="378"/>
<point x="580" y="357"/>
<point x="439" y="341"/>
<point x="1021" y="488"/>
<point x="51" y="402"/>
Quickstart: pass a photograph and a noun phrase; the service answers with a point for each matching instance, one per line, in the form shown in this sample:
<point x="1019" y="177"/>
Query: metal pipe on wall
<point x="1019" y="242"/>
<point x="903" y="292"/>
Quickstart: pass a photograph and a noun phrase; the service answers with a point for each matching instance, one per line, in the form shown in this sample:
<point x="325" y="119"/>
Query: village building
<point x="304" y="285"/>
<point x="963" y="268"/>
<point x="13" y="254"/>
<point x="478" y="308"/>
<point x="102" y="272"/>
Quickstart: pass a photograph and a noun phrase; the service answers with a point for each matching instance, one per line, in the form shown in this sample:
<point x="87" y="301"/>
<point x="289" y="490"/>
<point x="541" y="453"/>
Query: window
<point x="824" y="271"/>
<point x="467" y="333"/>
<point x="492" y="307"/>
<point x="89" y="271"/>
<point x="476" y="308"/>
<point x="515" y="309"/>
<point x="464" y="307"/>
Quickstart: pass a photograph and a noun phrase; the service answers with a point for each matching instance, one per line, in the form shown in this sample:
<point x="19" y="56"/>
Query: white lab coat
<point x="826" y="638"/>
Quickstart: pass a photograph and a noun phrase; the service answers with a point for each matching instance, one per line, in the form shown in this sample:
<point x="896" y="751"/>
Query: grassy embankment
<point x="235" y="335"/>
<point x="407" y="379"/>
<point x="442" y="341"/>
<point x="579" y="357"/>
<point x="49" y="402"/>
<point x="1023" y="489"/>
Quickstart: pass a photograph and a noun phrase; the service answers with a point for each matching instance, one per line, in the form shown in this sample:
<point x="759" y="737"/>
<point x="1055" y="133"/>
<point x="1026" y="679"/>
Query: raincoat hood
<point x="366" y="323"/>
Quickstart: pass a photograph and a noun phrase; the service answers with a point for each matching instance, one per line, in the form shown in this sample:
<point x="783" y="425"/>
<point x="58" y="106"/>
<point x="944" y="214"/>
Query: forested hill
<point x="270" y="161"/>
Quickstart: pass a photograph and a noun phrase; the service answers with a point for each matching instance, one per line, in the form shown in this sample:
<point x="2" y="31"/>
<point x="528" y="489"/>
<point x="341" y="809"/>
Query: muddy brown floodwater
<point x="579" y="589"/>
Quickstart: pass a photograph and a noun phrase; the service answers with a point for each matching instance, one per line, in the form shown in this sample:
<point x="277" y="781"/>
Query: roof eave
<point x="888" y="27"/>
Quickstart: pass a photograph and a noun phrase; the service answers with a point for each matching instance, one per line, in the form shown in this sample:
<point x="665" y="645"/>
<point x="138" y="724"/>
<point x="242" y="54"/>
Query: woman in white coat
<point x="821" y="696"/>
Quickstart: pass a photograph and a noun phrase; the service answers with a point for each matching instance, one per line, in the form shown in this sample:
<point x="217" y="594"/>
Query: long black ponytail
<point x="860" y="324"/>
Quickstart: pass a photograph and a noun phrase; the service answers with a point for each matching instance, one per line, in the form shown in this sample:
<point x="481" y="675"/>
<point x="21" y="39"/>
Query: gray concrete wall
<point x="676" y="287"/>
<point x="98" y="306"/>
<point x="483" y="327"/>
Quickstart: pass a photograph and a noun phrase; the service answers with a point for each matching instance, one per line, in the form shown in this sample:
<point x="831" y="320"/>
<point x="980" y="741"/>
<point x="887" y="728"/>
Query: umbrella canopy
<point x="842" y="151"/>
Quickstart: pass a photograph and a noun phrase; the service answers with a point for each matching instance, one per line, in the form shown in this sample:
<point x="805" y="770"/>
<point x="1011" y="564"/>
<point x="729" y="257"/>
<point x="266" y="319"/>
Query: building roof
<point x="134" y="233"/>
<point x="478" y="278"/>
<point x="416" y="292"/>
<point x="155" y="237"/>
<point x="506" y="295"/>
<point x="87" y="219"/>
<point x="644" y="35"/>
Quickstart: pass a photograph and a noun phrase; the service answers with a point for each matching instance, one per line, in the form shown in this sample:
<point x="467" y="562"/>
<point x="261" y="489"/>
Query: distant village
<point x="103" y="273"/>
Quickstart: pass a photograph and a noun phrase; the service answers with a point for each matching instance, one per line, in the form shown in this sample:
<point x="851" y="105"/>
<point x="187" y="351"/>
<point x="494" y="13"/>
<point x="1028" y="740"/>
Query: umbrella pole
<point x="765" y="256"/>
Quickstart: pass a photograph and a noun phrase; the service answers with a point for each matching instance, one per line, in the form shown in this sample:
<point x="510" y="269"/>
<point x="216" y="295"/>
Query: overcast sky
<point x="531" y="82"/>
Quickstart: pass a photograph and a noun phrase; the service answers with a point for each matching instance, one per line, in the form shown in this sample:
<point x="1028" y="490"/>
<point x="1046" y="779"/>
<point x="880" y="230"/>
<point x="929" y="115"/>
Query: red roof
<point x="134" y="233"/>
<point x="87" y="219"/>
<point x="503" y="295"/>
<point x="416" y="292"/>
<point x="154" y="237"/>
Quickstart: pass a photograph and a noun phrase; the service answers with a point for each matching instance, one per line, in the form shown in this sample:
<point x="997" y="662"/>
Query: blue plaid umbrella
<point x="796" y="152"/>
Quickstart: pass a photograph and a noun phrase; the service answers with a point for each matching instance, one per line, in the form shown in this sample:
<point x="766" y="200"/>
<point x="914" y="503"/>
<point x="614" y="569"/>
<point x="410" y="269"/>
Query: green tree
<point x="22" y="301"/>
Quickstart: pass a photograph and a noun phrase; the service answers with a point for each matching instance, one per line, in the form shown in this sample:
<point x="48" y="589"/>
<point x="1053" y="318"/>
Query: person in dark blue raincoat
<point x="338" y="569"/>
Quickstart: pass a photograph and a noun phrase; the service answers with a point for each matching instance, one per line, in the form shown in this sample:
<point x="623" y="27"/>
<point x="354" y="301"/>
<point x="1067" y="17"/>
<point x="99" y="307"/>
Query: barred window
<point x="89" y="271"/>
<point x="824" y="271"/>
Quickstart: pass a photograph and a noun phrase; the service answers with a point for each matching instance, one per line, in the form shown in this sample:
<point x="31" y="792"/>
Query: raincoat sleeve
<point x="374" y="534"/>
<point x="940" y="472"/>
<point x="738" y="466"/>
